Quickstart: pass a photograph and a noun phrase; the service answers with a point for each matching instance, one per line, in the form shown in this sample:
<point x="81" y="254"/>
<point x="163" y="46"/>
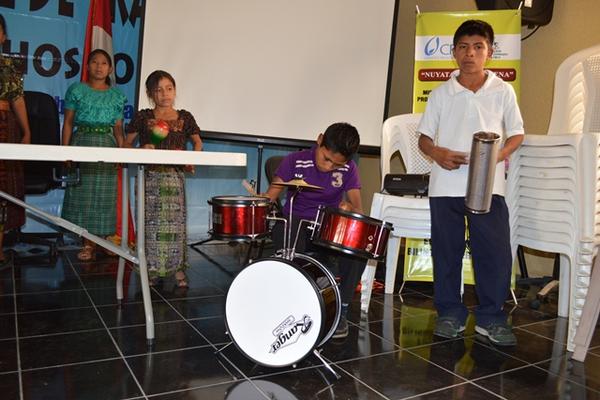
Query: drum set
<point x="281" y="308"/>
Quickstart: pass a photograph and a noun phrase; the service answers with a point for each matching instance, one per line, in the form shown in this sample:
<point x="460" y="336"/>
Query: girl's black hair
<point x="105" y="54"/>
<point x="154" y="78"/>
<point x="3" y="24"/>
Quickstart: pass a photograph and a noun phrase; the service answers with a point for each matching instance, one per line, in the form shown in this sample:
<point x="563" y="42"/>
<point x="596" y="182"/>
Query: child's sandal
<point x="181" y="279"/>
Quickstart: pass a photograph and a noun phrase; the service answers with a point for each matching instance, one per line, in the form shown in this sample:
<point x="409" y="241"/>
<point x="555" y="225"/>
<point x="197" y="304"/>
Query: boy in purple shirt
<point x="328" y="165"/>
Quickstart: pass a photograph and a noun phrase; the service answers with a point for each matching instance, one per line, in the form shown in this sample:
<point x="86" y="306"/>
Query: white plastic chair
<point x="409" y="215"/>
<point x="566" y="191"/>
<point x="576" y="104"/>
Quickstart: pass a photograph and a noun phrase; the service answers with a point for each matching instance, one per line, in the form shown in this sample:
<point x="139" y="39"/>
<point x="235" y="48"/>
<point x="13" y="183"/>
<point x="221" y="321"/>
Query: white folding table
<point x="31" y="152"/>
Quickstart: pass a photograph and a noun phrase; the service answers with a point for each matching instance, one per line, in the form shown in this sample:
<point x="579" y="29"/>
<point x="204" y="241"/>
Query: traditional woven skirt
<point x="11" y="173"/>
<point x="92" y="202"/>
<point x="165" y="216"/>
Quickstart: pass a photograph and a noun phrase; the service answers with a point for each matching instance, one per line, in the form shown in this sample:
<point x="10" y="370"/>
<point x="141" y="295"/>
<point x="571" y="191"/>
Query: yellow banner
<point x="433" y="49"/>
<point x="418" y="263"/>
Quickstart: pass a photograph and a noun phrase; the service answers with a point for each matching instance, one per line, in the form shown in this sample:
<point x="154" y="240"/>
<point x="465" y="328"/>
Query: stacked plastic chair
<point x="409" y="215"/>
<point x="554" y="187"/>
<point x="550" y="191"/>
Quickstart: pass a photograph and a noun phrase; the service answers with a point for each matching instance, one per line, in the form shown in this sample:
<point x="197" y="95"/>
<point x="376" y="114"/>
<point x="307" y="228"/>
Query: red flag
<point x="98" y="35"/>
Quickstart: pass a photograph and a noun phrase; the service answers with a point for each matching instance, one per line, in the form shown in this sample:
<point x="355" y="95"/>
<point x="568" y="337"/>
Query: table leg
<point x="141" y="251"/>
<point x="124" y="230"/>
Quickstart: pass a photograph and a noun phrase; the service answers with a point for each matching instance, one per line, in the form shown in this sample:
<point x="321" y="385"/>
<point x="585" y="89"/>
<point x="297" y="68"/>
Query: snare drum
<point x="239" y="217"/>
<point x="277" y="310"/>
<point x="351" y="233"/>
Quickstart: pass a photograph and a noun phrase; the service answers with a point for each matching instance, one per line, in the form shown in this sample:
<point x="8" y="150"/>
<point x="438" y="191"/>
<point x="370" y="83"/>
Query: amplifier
<point x="406" y="184"/>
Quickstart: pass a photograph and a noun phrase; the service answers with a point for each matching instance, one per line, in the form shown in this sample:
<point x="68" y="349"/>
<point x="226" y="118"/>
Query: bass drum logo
<point x="289" y="331"/>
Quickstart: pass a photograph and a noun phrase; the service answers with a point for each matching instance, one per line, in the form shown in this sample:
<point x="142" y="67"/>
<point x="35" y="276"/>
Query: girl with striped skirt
<point x="167" y="128"/>
<point x="93" y="117"/>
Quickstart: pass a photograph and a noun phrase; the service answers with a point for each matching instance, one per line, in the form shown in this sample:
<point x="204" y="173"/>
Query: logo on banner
<point x="435" y="46"/>
<point x="289" y="331"/>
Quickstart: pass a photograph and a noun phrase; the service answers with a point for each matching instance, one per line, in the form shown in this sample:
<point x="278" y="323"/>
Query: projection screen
<point x="275" y="68"/>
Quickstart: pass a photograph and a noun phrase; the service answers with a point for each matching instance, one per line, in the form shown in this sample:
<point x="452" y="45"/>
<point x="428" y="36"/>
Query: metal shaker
<point x="482" y="169"/>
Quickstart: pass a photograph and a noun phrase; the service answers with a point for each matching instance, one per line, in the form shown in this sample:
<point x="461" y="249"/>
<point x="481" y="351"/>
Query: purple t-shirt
<point x="302" y="164"/>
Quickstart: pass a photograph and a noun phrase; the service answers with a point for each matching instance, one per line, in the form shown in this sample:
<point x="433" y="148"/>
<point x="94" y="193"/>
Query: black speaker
<point x="533" y="12"/>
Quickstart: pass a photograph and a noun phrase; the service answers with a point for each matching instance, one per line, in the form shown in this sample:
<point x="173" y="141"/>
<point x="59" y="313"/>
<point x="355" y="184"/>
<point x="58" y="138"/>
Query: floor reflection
<point x="63" y="336"/>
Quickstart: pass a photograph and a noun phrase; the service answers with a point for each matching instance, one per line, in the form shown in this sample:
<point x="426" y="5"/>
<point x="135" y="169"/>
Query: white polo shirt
<point x="454" y="113"/>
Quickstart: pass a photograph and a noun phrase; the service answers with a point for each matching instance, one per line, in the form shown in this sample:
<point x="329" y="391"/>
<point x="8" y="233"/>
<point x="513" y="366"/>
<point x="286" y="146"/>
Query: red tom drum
<point x="351" y="233"/>
<point x="239" y="217"/>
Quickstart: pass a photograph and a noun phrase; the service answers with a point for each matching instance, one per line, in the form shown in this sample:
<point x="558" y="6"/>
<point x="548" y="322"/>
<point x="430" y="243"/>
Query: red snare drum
<point x="351" y="233"/>
<point x="239" y="217"/>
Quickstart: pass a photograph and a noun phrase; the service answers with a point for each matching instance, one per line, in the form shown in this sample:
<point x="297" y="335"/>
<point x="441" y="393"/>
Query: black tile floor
<point x="63" y="336"/>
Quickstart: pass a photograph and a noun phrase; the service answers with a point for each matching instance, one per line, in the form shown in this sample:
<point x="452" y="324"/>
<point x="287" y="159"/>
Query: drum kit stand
<point x="280" y="309"/>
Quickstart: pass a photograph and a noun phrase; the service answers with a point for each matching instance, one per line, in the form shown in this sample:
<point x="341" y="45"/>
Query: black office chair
<point x="44" y="124"/>
<point x="271" y="166"/>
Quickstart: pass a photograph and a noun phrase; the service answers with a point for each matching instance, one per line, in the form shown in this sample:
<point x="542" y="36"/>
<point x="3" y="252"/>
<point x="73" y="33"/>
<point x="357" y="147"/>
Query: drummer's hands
<point x="346" y="206"/>
<point x="449" y="159"/>
<point x="189" y="169"/>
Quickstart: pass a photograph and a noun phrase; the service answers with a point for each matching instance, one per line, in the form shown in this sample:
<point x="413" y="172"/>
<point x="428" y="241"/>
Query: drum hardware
<point x="297" y="183"/>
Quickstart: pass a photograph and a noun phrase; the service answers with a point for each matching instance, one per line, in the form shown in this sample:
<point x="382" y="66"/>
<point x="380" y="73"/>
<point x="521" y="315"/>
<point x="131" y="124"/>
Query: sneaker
<point x="342" y="329"/>
<point x="500" y="334"/>
<point x="448" y="327"/>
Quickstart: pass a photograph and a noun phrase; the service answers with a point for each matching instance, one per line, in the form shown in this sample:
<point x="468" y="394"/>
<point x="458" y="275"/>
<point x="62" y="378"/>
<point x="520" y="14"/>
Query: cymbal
<point x="297" y="183"/>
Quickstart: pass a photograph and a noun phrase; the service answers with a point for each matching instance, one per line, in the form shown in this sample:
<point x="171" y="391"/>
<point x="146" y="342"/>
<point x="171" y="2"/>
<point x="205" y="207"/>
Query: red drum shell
<point x="352" y="233"/>
<point x="239" y="217"/>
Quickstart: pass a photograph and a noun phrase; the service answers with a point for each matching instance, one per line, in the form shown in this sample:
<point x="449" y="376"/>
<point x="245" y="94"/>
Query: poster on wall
<point x="47" y="40"/>
<point x="433" y="49"/>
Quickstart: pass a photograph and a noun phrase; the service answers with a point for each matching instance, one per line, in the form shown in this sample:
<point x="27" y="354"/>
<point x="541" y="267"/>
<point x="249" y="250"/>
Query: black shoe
<point x="448" y="327"/>
<point x="499" y="334"/>
<point x="342" y="329"/>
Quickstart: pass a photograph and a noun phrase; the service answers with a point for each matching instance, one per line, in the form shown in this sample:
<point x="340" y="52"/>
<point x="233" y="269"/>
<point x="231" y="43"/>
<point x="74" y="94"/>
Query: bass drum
<point x="277" y="311"/>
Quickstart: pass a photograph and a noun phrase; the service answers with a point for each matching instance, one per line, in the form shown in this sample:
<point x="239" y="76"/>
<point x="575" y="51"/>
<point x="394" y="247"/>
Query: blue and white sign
<point x="48" y="36"/>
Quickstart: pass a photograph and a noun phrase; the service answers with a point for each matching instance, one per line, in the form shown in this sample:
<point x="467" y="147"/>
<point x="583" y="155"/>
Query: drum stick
<point x="249" y="187"/>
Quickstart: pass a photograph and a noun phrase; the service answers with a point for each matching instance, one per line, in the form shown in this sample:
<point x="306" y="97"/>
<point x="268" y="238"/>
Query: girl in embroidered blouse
<point x="14" y="128"/>
<point x="164" y="127"/>
<point x="93" y="117"/>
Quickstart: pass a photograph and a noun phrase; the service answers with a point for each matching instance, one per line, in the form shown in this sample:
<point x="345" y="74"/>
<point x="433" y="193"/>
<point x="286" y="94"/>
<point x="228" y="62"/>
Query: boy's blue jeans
<point x="489" y="236"/>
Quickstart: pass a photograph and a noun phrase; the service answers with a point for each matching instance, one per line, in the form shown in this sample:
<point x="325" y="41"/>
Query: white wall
<point x="277" y="68"/>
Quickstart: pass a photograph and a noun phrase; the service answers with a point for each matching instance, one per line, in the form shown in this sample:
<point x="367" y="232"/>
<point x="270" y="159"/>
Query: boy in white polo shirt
<point x="472" y="100"/>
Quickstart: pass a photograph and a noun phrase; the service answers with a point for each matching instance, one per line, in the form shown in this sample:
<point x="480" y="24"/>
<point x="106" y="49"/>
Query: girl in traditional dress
<point x="167" y="128"/>
<point x="14" y="128"/>
<point x="93" y="117"/>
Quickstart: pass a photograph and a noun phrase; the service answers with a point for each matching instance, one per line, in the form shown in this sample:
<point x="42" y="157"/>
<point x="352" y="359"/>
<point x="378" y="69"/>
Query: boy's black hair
<point x="3" y="24"/>
<point x="342" y="138"/>
<point x="474" y="27"/>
